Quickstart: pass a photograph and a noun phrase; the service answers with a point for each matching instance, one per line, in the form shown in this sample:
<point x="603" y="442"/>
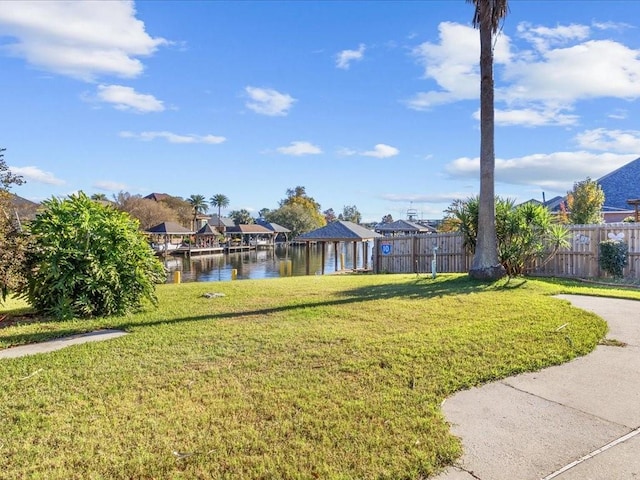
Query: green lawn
<point x="334" y="377"/>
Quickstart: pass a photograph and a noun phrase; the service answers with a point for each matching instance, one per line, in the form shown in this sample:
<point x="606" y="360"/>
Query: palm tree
<point x="221" y="201"/>
<point x="488" y="17"/>
<point x="199" y="205"/>
<point x="101" y="197"/>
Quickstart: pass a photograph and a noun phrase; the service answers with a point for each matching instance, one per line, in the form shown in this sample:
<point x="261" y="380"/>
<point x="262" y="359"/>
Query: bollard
<point x="342" y="261"/>
<point x="176" y="277"/>
<point x="234" y="274"/>
<point x="282" y="269"/>
<point x="289" y="268"/>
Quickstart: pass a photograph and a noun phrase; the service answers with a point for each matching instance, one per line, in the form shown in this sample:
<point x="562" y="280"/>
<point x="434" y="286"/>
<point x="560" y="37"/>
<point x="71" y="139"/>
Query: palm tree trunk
<point x="485" y="265"/>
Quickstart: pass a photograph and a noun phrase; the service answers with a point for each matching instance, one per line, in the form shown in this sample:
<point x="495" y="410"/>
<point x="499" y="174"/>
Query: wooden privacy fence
<point x="414" y="254"/>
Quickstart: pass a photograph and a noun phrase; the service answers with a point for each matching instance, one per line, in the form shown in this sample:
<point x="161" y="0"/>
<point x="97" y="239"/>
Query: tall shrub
<point x="614" y="256"/>
<point x="88" y="260"/>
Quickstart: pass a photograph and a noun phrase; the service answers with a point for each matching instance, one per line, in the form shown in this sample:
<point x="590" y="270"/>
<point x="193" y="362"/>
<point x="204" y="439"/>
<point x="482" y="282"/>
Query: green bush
<point x="526" y="233"/>
<point x="88" y="260"/>
<point x="613" y="257"/>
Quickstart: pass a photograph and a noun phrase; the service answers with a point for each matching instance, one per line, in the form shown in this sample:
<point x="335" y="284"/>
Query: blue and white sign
<point x="386" y="248"/>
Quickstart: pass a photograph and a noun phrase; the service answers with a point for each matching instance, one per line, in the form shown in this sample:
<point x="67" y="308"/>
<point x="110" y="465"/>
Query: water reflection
<point x="276" y="262"/>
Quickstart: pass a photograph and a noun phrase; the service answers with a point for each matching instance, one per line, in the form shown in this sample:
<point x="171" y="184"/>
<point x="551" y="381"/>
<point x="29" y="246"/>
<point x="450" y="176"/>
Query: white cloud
<point x="620" y="141"/>
<point x="110" y="186"/>
<point x="345" y="57"/>
<point x="126" y="98"/>
<point x="539" y="81"/>
<point x="544" y="38"/>
<point x="453" y="64"/>
<point x="174" y="137"/>
<point x="381" y="151"/>
<point x="558" y="170"/>
<point x="532" y="117"/>
<point x="266" y="101"/>
<point x="437" y="198"/>
<point x="83" y="40"/>
<point x="300" y="148"/>
<point x="562" y="76"/>
<point x="36" y="175"/>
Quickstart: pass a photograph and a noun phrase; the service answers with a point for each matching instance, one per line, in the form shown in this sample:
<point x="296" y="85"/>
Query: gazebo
<point x="274" y="227"/>
<point x="336" y="232"/>
<point x="207" y="236"/>
<point x="252" y="234"/>
<point x="166" y="231"/>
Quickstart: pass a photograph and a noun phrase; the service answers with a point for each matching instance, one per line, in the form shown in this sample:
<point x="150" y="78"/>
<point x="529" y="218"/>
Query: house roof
<point x="552" y="204"/>
<point x="169" y="228"/>
<point x="621" y="185"/>
<point x="403" y="226"/>
<point x="224" y="221"/>
<point x="274" y="227"/>
<point x="26" y="209"/>
<point x="340" y="231"/>
<point x="158" y="196"/>
<point x="252" y="228"/>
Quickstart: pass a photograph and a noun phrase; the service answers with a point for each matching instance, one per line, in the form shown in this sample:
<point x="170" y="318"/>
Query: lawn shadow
<point x="422" y="287"/>
<point x="427" y="287"/>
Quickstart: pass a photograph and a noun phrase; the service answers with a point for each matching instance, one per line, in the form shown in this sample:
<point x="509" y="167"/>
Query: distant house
<point x="220" y="223"/>
<point x="620" y="186"/>
<point x="402" y="228"/>
<point x="157" y="196"/>
<point x="621" y="190"/>
<point x="23" y="209"/>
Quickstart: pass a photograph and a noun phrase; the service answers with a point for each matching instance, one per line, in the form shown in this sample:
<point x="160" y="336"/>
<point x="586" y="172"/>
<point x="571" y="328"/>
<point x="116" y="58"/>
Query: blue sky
<point x="366" y="103"/>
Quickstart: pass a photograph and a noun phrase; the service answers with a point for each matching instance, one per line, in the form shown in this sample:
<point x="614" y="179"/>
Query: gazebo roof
<point x="169" y="228"/>
<point x="340" y="231"/>
<point x="207" y="230"/>
<point x="249" y="228"/>
<point x="274" y="227"/>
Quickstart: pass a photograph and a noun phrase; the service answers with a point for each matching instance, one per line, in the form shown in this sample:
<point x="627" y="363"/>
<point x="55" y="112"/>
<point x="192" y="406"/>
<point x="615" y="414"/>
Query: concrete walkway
<point x="60" y="343"/>
<point x="577" y="421"/>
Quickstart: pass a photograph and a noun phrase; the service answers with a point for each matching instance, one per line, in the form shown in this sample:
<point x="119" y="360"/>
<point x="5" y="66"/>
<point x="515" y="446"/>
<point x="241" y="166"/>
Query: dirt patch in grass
<point x="8" y="320"/>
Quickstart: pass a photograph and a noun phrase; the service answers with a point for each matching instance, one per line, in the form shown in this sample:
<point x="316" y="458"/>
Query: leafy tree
<point x="524" y="233"/>
<point x="387" y="218"/>
<point x="462" y="216"/>
<point x="585" y="203"/>
<point x="7" y="179"/>
<point x="488" y="17"/>
<point x="13" y="243"/>
<point x="219" y="201"/>
<point x="241" y="217"/>
<point x="148" y="212"/>
<point x="329" y="215"/>
<point x="298" y="196"/>
<point x="100" y="197"/>
<point x="295" y="217"/>
<point x="182" y="209"/>
<point x="264" y="212"/>
<point x="88" y="260"/>
<point x="350" y="213"/>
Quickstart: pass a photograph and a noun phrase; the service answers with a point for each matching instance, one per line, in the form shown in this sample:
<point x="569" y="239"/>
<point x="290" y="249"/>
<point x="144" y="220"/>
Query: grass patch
<point x="332" y="377"/>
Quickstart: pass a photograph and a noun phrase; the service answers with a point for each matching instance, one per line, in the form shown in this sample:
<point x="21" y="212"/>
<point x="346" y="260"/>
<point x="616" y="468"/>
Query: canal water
<point x="282" y="260"/>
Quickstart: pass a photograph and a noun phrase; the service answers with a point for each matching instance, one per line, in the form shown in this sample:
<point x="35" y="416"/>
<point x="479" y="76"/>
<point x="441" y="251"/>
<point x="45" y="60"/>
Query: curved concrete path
<point x="577" y="421"/>
<point x="59" y="343"/>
